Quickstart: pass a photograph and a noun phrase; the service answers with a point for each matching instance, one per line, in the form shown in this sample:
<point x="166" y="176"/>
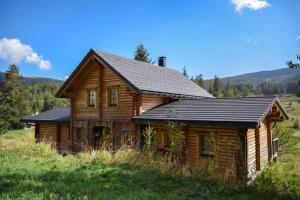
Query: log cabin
<point x="113" y="99"/>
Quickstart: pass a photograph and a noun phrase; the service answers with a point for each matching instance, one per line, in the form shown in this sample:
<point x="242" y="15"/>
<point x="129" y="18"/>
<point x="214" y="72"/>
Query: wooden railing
<point x="275" y="146"/>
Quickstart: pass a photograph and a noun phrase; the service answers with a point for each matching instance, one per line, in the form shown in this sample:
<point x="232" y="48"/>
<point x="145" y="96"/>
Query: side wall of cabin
<point x="233" y="148"/>
<point x="226" y="142"/>
<point x="56" y="134"/>
<point x="259" y="148"/>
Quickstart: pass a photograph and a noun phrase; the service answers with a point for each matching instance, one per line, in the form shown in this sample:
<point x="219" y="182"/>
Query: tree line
<point x="17" y="99"/>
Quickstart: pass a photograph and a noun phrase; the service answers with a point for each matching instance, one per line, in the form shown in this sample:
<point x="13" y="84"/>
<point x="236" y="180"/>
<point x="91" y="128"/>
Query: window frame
<point x="202" y="151"/>
<point x="109" y="96"/>
<point x="89" y="98"/>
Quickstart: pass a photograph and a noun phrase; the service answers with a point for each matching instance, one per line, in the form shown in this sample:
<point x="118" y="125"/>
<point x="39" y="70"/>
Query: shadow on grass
<point x="92" y="181"/>
<point x="109" y="182"/>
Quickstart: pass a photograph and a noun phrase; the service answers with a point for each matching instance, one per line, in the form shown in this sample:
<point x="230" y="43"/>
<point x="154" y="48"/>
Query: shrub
<point x="287" y="141"/>
<point x="296" y="123"/>
<point x="275" y="181"/>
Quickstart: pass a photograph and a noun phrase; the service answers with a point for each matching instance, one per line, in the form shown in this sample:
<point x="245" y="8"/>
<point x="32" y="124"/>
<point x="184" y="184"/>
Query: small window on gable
<point x="206" y="145"/>
<point x="92" y="98"/>
<point x="113" y="96"/>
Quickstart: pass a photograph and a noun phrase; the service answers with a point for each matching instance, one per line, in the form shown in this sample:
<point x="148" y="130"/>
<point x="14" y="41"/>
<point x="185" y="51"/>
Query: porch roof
<point x="239" y="112"/>
<point x="61" y="115"/>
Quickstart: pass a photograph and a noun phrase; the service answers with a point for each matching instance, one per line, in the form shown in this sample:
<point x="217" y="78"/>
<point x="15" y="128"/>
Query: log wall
<point x="79" y="96"/>
<point x="251" y="149"/>
<point x="151" y="101"/>
<point x="48" y="132"/>
<point x="226" y="145"/>
<point x="263" y="144"/>
<point x="55" y="134"/>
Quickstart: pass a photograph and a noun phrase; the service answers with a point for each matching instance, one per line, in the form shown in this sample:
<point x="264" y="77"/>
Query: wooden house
<point x="113" y="99"/>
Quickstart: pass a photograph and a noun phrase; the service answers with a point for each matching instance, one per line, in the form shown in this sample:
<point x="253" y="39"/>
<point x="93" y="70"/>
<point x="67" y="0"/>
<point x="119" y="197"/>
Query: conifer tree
<point x="14" y="99"/>
<point x="217" y="87"/>
<point x="228" y="90"/>
<point x="141" y="54"/>
<point x="184" y="72"/>
<point x="199" y="80"/>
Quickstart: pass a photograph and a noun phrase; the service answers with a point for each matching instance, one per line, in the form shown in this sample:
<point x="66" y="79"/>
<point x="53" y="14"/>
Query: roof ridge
<point x="133" y="60"/>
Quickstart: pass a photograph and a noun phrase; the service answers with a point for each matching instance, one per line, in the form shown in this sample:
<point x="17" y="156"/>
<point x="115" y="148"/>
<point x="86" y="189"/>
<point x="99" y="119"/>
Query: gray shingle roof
<point x="149" y="78"/>
<point x="54" y="115"/>
<point x="244" y="111"/>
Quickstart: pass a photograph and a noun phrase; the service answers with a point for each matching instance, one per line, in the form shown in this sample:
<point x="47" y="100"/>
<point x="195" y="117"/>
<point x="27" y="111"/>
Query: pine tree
<point x="184" y="72"/>
<point x="141" y="54"/>
<point x="210" y="88"/>
<point x="199" y="80"/>
<point x="14" y="99"/>
<point x="3" y="123"/>
<point x="217" y="87"/>
<point x="228" y="91"/>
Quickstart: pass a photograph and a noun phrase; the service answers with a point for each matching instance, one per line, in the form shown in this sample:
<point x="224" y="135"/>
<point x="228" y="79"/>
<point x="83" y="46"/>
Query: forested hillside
<point x="274" y="82"/>
<point x="33" y="80"/>
<point x="284" y="75"/>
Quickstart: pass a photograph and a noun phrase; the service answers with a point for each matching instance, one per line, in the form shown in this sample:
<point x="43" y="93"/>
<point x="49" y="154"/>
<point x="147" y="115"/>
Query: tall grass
<point x="39" y="164"/>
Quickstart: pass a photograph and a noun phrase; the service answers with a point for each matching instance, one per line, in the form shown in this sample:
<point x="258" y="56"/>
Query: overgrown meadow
<point x="35" y="171"/>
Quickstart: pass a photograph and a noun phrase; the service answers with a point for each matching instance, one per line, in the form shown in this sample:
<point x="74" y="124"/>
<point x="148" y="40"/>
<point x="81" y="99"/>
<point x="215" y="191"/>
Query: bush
<point x="287" y="141"/>
<point x="296" y="123"/>
<point x="275" y="181"/>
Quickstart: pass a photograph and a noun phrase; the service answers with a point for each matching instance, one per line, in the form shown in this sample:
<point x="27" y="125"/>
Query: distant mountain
<point x="283" y="75"/>
<point x="30" y="80"/>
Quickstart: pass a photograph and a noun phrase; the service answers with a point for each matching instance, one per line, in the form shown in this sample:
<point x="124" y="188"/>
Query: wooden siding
<point x="227" y="150"/>
<point x="263" y="144"/>
<point x="251" y="161"/>
<point x="65" y="138"/>
<point x="226" y="145"/>
<point x="48" y="132"/>
<point x="80" y="109"/>
<point x="124" y="109"/>
<point x="151" y="101"/>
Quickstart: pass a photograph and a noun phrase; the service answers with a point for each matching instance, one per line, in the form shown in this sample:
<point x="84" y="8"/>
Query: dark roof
<point x="146" y="78"/>
<point x="54" y="115"/>
<point x="152" y="78"/>
<point x="243" y="111"/>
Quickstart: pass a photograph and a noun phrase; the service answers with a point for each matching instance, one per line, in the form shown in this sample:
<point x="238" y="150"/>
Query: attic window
<point x="113" y="96"/>
<point x="92" y="98"/>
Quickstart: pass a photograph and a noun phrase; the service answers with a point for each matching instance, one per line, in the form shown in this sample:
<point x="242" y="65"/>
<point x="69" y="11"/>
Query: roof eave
<point x="240" y="124"/>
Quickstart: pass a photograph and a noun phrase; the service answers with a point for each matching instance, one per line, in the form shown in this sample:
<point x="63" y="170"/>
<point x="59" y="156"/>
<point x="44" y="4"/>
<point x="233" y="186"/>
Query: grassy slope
<point x="34" y="171"/>
<point x="292" y="105"/>
<point x="29" y="171"/>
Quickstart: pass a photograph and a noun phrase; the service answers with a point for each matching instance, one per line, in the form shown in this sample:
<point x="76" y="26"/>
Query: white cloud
<point x="15" y="51"/>
<point x="252" y="4"/>
<point x="298" y="38"/>
<point x="66" y="77"/>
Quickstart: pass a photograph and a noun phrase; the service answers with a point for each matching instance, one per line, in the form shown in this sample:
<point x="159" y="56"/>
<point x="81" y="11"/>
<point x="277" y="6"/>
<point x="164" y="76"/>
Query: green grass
<point x="292" y="105"/>
<point x="35" y="171"/>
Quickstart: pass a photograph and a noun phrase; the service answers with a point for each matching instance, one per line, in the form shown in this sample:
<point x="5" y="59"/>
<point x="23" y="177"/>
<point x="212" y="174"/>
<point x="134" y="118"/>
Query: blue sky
<point x="223" y="37"/>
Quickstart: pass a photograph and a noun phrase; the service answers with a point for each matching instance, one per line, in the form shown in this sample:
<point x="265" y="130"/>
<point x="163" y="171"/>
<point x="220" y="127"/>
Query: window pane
<point x="113" y="96"/>
<point x="206" y="145"/>
<point x="92" y="97"/>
